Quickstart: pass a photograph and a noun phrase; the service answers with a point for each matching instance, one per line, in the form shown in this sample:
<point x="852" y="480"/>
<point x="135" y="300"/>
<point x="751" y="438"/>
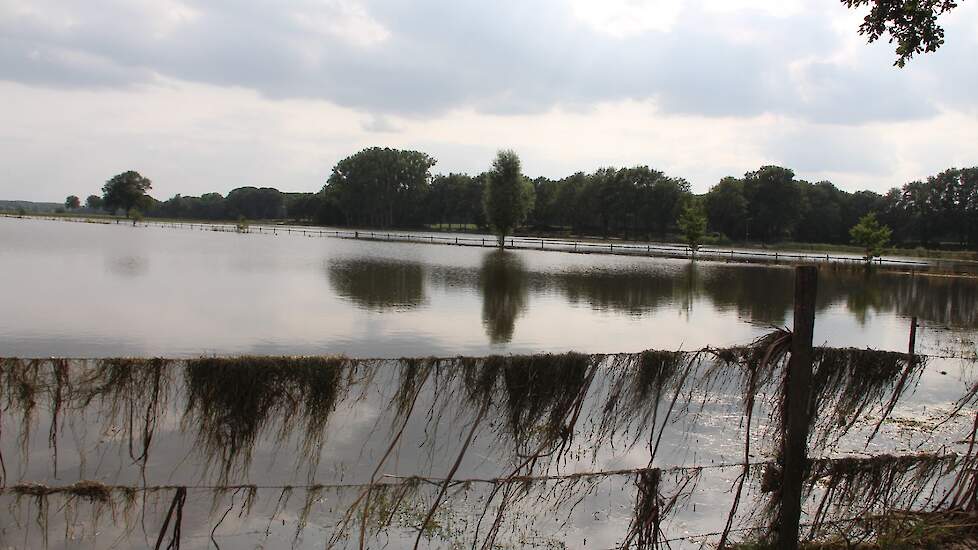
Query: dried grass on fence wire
<point x="532" y="405"/>
<point x="854" y="487"/>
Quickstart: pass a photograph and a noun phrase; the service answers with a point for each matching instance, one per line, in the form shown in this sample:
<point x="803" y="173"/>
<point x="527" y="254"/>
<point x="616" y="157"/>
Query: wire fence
<point x="545" y="244"/>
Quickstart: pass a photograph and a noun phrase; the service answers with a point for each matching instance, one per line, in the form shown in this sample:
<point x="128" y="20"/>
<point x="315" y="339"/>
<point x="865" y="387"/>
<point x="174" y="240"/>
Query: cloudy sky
<point x="210" y="95"/>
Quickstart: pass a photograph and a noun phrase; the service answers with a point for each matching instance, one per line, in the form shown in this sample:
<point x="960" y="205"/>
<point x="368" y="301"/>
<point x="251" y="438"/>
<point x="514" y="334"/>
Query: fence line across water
<point x="531" y="243"/>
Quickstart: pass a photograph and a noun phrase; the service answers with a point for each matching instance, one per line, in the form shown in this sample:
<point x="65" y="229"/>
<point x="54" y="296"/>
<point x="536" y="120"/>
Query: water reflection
<point x="288" y="295"/>
<point x="635" y="292"/>
<point x="504" y="289"/>
<point x="127" y="266"/>
<point x="379" y="285"/>
<point x="758" y="294"/>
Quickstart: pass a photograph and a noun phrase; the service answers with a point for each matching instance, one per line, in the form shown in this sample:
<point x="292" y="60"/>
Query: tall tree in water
<point x="871" y="236"/>
<point x="126" y="191"/>
<point x="508" y="196"/>
<point x="692" y="222"/>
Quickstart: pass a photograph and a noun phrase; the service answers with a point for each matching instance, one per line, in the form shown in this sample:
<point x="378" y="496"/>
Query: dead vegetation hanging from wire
<point x="847" y="382"/>
<point x="133" y="394"/>
<point x="534" y="404"/>
<point x="653" y="506"/>
<point x="232" y="401"/>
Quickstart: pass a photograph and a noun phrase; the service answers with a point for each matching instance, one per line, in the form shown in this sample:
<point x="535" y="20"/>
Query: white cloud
<point x="345" y="19"/>
<point x="210" y="95"/>
<point x="623" y="18"/>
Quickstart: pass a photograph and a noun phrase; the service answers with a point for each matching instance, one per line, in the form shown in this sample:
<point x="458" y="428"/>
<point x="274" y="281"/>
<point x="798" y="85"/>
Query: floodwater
<point x="90" y="290"/>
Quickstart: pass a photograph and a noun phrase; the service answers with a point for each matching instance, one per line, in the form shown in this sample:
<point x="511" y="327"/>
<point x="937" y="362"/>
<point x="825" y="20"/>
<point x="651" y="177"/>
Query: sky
<point x="205" y="96"/>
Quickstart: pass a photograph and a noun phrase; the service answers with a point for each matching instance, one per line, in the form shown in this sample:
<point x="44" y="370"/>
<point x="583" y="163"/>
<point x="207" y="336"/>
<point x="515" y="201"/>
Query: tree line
<point x="391" y="188"/>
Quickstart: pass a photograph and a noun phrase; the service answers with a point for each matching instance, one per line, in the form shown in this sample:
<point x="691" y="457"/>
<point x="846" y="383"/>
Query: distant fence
<point x="533" y="243"/>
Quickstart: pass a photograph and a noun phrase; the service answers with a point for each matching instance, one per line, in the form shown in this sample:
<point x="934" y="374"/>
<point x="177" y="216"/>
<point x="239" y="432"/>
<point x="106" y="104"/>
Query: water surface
<point x="89" y="290"/>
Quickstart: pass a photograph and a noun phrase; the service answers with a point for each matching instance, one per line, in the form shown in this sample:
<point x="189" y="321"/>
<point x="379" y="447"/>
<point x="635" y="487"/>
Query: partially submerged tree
<point x="126" y="191"/>
<point x="692" y="222"/>
<point x="871" y="235"/>
<point x="508" y="196"/>
<point x="912" y="24"/>
<point x="72" y="202"/>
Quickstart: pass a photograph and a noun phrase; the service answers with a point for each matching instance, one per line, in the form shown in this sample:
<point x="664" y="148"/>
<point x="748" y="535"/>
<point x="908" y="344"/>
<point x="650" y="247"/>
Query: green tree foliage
<point x="72" y="202"/>
<point x="726" y="208"/>
<point x="870" y="235"/>
<point x="126" y="191"/>
<point x="508" y="196"/>
<point x="301" y="206"/>
<point x="449" y="200"/>
<point x="692" y="223"/>
<point x="773" y="199"/>
<point x="821" y="213"/>
<point x="912" y="24"/>
<point x="544" y="214"/>
<point x="381" y="187"/>
<point x="255" y="204"/>
<point x="393" y="188"/>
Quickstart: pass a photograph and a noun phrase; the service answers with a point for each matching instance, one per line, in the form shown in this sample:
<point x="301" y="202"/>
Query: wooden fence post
<point x="797" y="406"/>
<point x="913" y="336"/>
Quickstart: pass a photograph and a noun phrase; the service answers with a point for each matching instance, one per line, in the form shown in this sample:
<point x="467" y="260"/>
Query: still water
<point x="91" y="290"/>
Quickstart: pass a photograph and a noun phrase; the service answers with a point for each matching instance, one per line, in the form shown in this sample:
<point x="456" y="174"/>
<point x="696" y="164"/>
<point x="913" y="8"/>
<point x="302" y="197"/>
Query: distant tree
<point x="912" y="24"/>
<point x="126" y="191"/>
<point x="94" y="202"/>
<point x="569" y="204"/>
<point x="544" y="214"/>
<point x="692" y="222"/>
<point x="72" y="202"/>
<point x="870" y="235"/>
<point x="664" y="201"/>
<point x="726" y="208"/>
<point x="820" y="219"/>
<point x="381" y="187"/>
<point x="446" y="200"/>
<point x="508" y="197"/>
<point x="253" y="203"/>
<point x="773" y="199"/>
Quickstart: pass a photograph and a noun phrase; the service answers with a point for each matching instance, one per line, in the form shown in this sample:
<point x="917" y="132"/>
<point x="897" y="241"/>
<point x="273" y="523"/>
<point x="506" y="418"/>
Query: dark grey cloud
<point x="505" y="57"/>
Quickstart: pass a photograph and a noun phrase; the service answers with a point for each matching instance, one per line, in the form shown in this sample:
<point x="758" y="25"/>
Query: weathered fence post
<point x="913" y="336"/>
<point x="797" y="406"/>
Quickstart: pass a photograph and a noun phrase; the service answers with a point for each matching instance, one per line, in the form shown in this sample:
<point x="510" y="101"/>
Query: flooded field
<point x="541" y="451"/>
<point x="87" y="290"/>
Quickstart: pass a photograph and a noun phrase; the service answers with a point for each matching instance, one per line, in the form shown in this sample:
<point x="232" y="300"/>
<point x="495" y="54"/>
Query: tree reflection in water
<point x="379" y="285"/>
<point x="758" y="294"/>
<point x="503" y="282"/>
